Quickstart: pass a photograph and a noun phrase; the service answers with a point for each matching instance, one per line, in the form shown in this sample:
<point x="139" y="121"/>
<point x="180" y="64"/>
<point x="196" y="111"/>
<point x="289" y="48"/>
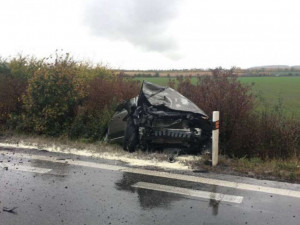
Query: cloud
<point x="143" y="23"/>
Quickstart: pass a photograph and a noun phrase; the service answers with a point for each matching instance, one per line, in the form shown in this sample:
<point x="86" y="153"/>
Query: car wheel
<point x="105" y="139"/>
<point x="132" y="142"/>
<point x="131" y="136"/>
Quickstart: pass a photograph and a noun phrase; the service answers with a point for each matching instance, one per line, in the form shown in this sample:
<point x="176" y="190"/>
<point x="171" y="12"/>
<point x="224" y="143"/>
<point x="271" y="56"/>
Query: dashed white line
<point x="190" y="192"/>
<point x="222" y="183"/>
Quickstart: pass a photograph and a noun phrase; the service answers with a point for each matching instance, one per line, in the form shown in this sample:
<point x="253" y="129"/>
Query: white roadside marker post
<point x="215" y="138"/>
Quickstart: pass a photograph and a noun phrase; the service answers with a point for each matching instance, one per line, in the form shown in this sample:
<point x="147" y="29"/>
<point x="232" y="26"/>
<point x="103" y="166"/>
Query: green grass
<point x="269" y="91"/>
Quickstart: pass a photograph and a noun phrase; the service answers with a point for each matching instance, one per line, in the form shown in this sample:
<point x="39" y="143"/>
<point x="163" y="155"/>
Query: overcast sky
<point x="155" y="34"/>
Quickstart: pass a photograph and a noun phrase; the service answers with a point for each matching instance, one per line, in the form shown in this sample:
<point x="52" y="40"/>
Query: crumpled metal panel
<point x="165" y="96"/>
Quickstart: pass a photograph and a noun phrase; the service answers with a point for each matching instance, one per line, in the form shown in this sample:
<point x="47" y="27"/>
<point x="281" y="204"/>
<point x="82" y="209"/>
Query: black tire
<point x="131" y="136"/>
<point x="105" y="139"/>
<point x="132" y="142"/>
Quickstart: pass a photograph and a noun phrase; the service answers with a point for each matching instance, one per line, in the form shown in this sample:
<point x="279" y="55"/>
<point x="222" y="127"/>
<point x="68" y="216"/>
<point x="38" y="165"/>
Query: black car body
<point x="159" y="117"/>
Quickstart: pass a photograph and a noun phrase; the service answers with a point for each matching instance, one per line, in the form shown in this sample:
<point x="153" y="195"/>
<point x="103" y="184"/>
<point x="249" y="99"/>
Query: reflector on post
<point x="215" y="138"/>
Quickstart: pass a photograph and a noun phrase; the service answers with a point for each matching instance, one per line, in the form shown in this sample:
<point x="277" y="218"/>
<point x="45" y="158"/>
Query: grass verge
<point x="272" y="169"/>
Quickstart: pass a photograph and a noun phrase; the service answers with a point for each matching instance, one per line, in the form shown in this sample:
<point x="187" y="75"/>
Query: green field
<point x="267" y="89"/>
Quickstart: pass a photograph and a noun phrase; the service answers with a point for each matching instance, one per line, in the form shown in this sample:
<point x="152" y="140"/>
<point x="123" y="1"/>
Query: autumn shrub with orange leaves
<point x="60" y="96"/>
<point x="244" y="132"/>
<point x="103" y="95"/>
<point x="53" y="93"/>
<point x="14" y="75"/>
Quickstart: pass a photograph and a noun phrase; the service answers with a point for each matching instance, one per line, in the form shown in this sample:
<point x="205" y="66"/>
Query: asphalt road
<point x="50" y="188"/>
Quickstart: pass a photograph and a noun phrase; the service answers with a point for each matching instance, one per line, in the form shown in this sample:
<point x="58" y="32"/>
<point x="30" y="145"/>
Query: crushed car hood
<point x="167" y="97"/>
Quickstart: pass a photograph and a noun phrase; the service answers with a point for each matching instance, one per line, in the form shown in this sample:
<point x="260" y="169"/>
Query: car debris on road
<point x="9" y="210"/>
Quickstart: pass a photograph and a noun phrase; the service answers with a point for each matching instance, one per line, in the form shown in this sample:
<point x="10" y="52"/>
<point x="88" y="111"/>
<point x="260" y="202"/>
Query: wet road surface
<point x="51" y="188"/>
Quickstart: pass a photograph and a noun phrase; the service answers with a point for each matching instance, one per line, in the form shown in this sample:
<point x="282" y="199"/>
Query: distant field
<point x="270" y="89"/>
<point x="275" y="71"/>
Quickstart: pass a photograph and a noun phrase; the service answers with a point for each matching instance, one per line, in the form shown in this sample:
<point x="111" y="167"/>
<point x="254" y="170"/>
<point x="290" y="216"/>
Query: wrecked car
<point x="159" y="117"/>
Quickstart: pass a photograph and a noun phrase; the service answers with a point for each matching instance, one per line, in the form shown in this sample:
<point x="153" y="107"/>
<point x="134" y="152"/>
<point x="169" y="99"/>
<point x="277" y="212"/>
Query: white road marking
<point x="190" y="192"/>
<point x="210" y="181"/>
<point x="223" y="183"/>
<point x="26" y="168"/>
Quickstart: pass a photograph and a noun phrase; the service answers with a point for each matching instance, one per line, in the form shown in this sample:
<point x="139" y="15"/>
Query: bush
<point x="60" y="97"/>
<point x="276" y="136"/>
<point x="11" y="93"/>
<point x="221" y="92"/>
<point x="90" y="126"/>
<point x="243" y="131"/>
<point x="52" y="96"/>
<point x="96" y="111"/>
<point x="14" y="76"/>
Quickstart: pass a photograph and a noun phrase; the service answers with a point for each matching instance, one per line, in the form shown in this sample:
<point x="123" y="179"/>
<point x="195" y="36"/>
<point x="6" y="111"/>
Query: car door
<point x="117" y="125"/>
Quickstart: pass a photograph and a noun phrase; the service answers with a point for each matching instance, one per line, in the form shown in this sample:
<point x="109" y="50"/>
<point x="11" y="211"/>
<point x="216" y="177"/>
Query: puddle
<point x="148" y="199"/>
